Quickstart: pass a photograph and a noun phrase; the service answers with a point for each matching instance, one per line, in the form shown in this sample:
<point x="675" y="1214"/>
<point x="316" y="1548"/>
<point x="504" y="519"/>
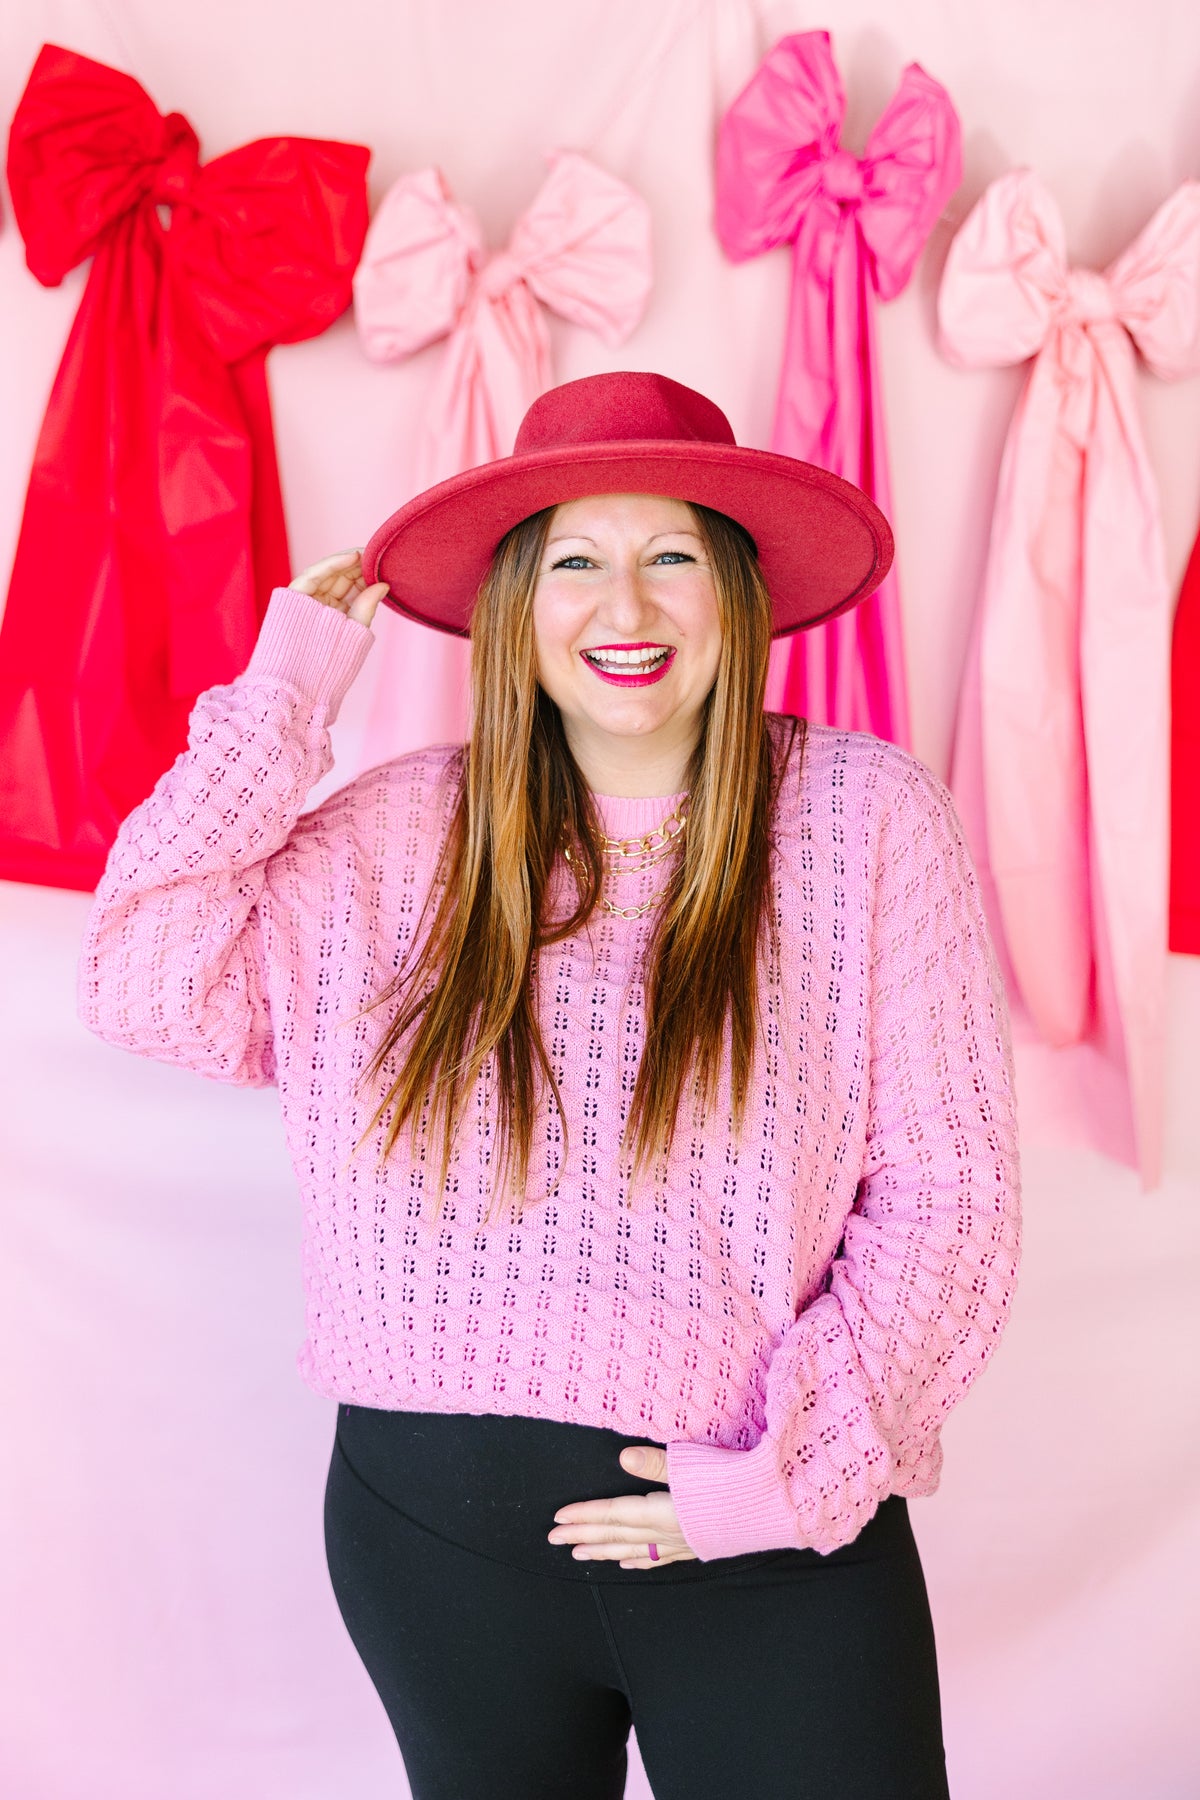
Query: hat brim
<point x="823" y="545"/>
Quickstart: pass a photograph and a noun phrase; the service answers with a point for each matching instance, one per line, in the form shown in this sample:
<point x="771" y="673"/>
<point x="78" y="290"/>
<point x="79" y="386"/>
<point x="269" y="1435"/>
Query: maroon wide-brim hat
<point x="822" y="544"/>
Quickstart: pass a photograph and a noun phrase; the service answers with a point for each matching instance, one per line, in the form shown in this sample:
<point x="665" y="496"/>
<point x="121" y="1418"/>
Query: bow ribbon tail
<point x="204" y="477"/>
<point x="269" y="546"/>
<point x="495" y="365"/>
<point x="1125" y="673"/>
<point x="84" y="729"/>
<point x="824" y="281"/>
<point x="818" y="418"/>
<point x="881" y="664"/>
<point x="1033" y="755"/>
<point x="1185" y="763"/>
<point x="851" y="671"/>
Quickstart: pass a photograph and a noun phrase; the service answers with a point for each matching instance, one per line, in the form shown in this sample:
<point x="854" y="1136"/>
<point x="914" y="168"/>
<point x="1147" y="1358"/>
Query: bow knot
<point x="777" y="147"/>
<point x="498" y="275"/>
<point x="842" y="178"/>
<point x="176" y="173"/>
<point x="1088" y="299"/>
<point x="1008" y="281"/>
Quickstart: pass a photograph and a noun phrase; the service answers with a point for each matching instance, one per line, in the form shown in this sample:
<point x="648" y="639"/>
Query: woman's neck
<point x="631" y="768"/>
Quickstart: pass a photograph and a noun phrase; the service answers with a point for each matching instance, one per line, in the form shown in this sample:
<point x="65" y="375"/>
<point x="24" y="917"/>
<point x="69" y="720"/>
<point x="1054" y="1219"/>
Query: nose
<point x="627" y="604"/>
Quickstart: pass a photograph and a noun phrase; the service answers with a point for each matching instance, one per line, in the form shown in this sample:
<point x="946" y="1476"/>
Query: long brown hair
<point x="468" y="994"/>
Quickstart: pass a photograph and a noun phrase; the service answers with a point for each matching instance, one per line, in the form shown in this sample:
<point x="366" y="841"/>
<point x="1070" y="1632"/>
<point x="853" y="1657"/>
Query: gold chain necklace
<point x="634" y="855"/>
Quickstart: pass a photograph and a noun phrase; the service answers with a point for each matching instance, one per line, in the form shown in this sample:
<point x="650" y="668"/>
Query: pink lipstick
<point x="629" y="665"/>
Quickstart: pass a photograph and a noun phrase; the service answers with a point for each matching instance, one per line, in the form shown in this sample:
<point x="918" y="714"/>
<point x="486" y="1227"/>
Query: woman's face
<point x="626" y="629"/>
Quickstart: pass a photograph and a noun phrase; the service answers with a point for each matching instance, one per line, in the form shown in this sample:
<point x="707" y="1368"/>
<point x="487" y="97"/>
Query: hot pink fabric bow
<point x="858" y="226"/>
<point x="1061" y="764"/>
<point x="583" y="250"/>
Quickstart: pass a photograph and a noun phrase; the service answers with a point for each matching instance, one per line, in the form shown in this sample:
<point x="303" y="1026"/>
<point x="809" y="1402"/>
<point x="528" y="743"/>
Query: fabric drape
<point x="856" y="226"/>
<point x="153" y="530"/>
<point x="581" y="251"/>
<point x="1061" y="759"/>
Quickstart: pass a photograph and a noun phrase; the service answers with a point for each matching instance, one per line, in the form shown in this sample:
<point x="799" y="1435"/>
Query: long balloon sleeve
<point x="856" y="227"/>
<point x="582" y="250"/>
<point x="917" y="1297"/>
<point x="1061" y="758"/>
<point x="153" y="530"/>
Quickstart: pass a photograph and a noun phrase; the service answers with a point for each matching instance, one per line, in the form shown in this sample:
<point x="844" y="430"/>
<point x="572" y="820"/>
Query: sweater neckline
<point x="623" y="817"/>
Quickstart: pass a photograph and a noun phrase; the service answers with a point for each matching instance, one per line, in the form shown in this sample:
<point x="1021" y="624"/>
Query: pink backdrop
<point x="169" y="1628"/>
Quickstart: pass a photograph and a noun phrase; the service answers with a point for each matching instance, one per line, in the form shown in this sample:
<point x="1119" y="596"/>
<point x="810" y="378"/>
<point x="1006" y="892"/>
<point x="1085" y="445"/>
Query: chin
<point x="629" y="722"/>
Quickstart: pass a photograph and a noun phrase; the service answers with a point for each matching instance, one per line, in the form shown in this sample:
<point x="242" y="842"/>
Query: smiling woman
<point x="628" y="627"/>
<point x="551" y="735"/>
<point x="646" y="1072"/>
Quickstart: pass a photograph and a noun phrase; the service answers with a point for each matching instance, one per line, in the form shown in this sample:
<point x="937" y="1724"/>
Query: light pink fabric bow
<point x="1061" y="761"/>
<point x="858" y="226"/>
<point x="583" y="250"/>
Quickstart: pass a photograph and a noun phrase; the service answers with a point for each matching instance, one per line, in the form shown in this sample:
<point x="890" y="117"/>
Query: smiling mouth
<point x="630" y="662"/>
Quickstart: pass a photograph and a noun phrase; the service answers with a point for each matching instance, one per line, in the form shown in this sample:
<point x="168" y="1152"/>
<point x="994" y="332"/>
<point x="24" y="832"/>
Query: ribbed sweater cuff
<point x="730" y="1502"/>
<point x="315" y="648"/>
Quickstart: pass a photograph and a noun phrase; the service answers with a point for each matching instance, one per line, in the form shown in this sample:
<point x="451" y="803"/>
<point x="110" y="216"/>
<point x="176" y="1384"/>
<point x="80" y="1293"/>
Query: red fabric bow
<point x="153" y="529"/>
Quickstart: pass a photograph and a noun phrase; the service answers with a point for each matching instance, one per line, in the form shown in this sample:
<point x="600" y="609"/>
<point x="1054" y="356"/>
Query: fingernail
<point x="634" y="1459"/>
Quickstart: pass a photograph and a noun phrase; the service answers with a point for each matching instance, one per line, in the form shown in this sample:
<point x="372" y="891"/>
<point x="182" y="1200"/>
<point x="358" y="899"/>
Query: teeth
<point x="612" y="659"/>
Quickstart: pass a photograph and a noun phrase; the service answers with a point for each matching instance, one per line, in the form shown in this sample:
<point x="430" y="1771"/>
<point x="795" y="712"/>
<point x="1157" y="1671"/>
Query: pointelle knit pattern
<point x="792" y="1312"/>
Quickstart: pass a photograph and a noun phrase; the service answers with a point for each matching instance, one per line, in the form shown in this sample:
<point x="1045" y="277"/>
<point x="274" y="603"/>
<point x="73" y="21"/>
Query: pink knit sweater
<point x="792" y="1314"/>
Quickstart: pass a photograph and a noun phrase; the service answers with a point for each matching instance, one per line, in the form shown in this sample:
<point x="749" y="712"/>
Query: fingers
<point x="629" y="1541"/>
<point x="329" y="573"/>
<point x="624" y="1515"/>
<point x="338" y="557"/>
<point x="647" y="1460"/>
<point x="620" y="1528"/>
<point x="338" y="581"/>
<point x="363" y="606"/>
<point x="634" y="1556"/>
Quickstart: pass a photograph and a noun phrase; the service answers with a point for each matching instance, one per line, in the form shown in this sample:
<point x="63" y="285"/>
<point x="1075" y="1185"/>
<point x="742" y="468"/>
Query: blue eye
<point x="579" y="561"/>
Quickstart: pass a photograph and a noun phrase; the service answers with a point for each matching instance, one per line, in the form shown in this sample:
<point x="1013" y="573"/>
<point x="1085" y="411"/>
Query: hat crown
<point x="618" y="408"/>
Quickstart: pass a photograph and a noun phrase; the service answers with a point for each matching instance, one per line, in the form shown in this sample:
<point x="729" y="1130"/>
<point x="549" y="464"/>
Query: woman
<point x="645" y="1070"/>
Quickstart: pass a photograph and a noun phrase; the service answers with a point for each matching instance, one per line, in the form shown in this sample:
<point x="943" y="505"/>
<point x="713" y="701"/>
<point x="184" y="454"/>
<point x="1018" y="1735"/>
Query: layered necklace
<point x="633" y="856"/>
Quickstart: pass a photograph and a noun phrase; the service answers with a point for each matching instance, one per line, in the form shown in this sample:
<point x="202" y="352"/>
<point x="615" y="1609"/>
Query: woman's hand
<point x="338" y="581"/>
<point x="620" y="1528"/>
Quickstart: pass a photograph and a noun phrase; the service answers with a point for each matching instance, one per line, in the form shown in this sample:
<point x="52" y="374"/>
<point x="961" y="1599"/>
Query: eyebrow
<point x="565" y="537"/>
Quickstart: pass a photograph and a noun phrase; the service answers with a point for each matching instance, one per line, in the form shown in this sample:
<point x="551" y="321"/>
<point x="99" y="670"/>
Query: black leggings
<point x="511" y="1671"/>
